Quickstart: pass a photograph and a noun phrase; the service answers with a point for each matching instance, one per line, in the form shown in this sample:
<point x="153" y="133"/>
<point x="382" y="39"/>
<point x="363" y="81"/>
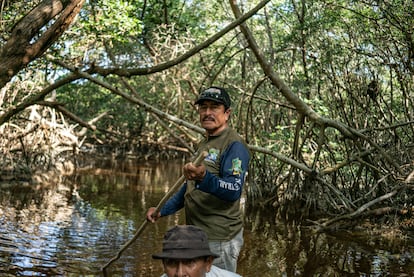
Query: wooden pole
<point x="177" y="184"/>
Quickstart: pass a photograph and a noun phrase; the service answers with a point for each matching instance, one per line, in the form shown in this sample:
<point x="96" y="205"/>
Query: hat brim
<point x="184" y="254"/>
<point x="211" y="99"/>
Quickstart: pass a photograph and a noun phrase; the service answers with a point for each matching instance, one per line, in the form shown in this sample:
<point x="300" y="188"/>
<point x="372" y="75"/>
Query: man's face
<point x="213" y="116"/>
<point x="187" y="267"/>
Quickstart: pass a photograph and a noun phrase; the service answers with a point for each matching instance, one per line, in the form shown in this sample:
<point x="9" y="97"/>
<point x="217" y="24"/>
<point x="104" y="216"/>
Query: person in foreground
<point x="186" y="252"/>
<point x="212" y="191"/>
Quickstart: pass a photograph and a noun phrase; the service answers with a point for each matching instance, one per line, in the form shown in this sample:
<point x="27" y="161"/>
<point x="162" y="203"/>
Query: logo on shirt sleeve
<point x="236" y="168"/>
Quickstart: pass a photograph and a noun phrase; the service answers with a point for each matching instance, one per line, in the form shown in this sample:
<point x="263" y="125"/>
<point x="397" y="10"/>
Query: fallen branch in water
<point x="364" y="207"/>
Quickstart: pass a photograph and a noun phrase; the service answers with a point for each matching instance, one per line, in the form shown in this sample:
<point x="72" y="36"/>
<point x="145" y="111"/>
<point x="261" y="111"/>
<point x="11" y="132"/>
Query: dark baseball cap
<point x="216" y="94"/>
<point x="185" y="242"/>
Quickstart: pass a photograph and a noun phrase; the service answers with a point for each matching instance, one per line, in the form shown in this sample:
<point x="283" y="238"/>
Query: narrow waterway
<point x="75" y="225"/>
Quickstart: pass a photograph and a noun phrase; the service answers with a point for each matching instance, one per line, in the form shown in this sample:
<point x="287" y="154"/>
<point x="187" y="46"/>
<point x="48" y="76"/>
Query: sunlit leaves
<point x="113" y="20"/>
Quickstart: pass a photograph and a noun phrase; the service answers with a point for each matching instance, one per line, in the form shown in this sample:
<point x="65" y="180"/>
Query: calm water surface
<point x="76" y="225"/>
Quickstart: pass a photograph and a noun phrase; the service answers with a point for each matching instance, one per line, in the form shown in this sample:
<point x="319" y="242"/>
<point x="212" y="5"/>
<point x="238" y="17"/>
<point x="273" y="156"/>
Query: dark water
<point x="75" y="225"/>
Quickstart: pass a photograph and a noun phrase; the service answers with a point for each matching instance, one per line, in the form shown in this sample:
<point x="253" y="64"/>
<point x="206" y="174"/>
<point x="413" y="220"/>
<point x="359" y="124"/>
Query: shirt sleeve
<point x="233" y="169"/>
<point x="175" y="203"/>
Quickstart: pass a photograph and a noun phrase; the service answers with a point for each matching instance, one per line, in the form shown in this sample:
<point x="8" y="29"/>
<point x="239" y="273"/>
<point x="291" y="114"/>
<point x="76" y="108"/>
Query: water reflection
<point x="74" y="226"/>
<point x="292" y="251"/>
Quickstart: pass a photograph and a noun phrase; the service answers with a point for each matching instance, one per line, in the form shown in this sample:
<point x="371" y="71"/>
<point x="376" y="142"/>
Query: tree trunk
<point x="33" y="35"/>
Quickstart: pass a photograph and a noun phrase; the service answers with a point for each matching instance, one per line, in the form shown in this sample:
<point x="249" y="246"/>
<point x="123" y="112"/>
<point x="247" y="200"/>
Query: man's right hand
<point x="193" y="172"/>
<point x="150" y="215"/>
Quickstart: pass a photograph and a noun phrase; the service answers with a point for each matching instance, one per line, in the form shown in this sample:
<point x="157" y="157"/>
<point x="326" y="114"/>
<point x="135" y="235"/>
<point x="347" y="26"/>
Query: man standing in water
<point x="211" y="194"/>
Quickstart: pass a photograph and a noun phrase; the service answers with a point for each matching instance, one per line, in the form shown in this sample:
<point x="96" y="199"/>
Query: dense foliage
<point x="328" y="110"/>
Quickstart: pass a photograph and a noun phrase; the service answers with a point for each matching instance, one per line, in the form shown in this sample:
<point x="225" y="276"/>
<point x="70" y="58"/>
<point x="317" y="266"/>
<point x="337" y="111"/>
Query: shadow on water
<point x="74" y="226"/>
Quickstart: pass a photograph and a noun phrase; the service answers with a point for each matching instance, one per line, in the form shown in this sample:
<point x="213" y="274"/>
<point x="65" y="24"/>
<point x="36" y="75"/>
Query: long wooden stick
<point x="177" y="184"/>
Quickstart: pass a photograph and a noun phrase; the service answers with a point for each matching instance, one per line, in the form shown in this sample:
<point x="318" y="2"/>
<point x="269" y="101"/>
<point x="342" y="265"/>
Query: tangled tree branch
<point x="301" y="107"/>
